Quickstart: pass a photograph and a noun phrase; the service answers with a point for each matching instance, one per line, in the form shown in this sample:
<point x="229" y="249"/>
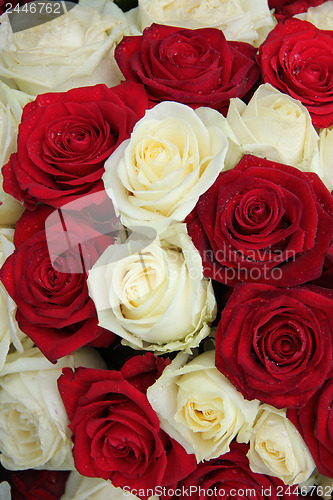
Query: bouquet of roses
<point x="166" y="245"/>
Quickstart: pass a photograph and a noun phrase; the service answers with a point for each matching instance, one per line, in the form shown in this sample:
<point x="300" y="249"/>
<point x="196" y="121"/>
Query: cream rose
<point x="73" y="50"/>
<point x="11" y="105"/>
<point x="11" y="337"/>
<point x="5" y="491"/>
<point x="89" y="488"/>
<point x="173" y="156"/>
<point x="198" y="407"/>
<point x="242" y="20"/>
<point x="128" y="20"/>
<point x="278" y="449"/>
<point x="156" y="298"/>
<point x="324" y="167"/>
<point x="317" y="484"/>
<point x="321" y="16"/>
<point x="324" y="486"/>
<point x="272" y="125"/>
<point x="34" y="430"/>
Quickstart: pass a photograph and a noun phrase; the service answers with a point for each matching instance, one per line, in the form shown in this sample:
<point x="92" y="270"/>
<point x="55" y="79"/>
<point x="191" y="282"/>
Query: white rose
<point x="128" y="20"/>
<point x="10" y="334"/>
<point x="321" y="16"/>
<point x="317" y="484"/>
<point x="73" y="50"/>
<point x="34" y="431"/>
<point x="273" y="125"/>
<point x="198" y="407"/>
<point x="11" y="105"/>
<point x="324" y="486"/>
<point x="173" y="156"/>
<point x="157" y="298"/>
<point x="278" y="449"/>
<point x="89" y="488"/>
<point x="305" y="487"/>
<point x="242" y="20"/>
<point x="5" y="491"/>
<point x="324" y="167"/>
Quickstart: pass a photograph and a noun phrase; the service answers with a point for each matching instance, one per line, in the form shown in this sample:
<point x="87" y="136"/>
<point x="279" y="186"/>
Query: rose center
<point x="66" y="138"/>
<point x="269" y="447"/>
<point x="53" y="276"/>
<point x="283" y="341"/>
<point x="287" y="112"/>
<point x="50" y="279"/>
<point x="139" y="285"/>
<point x="180" y="51"/>
<point x="285" y="346"/>
<point x="153" y="161"/>
<point x="311" y="74"/>
<point x="257" y="211"/>
<point x="201" y="416"/>
<point x="253" y="213"/>
<point x="24" y="438"/>
<point x="77" y="141"/>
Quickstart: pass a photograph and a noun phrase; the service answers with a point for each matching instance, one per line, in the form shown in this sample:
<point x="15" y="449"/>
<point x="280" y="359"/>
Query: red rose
<point x="230" y="477"/>
<point x="54" y="308"/>
<point x="263" y="222"/>
<point x="276" y="345"/>
<point x="116" y="432"/>
<point x="38" y="484"/>
<point x="326" y="278"/>
<point x="65" y="138"/>
<point x="297" y="59"/>
<point x="195" y="67"/>
<point x="315" y="423"/>
<point x="283" y="9"/>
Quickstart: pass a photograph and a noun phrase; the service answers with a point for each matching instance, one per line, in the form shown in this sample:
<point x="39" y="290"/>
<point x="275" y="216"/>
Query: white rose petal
<point x="278" y="449"/>
<point x="110" y="8"/>
<point x="274" y="126"/>
<point x="11" y="105"/>
<point x="136" y="294"/>
<point x="324" y="486"/>
<point x="89" y="488"/>
<point x="173" y="156"/>
<point x="199" y="407"/>
<point x="11" y="337"/>
<point x="324" y="167"/>
<point x="318" y="484"/>
<point x="242" y="20"/>
<point x="309" y="484"/>
<point x="321" y="16"/>
<point x="73" y="50"/>
<point x="5" y="491"/>
<point x="34" y="431"/>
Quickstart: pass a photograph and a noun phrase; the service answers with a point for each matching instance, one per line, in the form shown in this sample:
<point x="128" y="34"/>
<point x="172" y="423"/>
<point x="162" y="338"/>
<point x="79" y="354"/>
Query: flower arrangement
<point x="166" y="249"/>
